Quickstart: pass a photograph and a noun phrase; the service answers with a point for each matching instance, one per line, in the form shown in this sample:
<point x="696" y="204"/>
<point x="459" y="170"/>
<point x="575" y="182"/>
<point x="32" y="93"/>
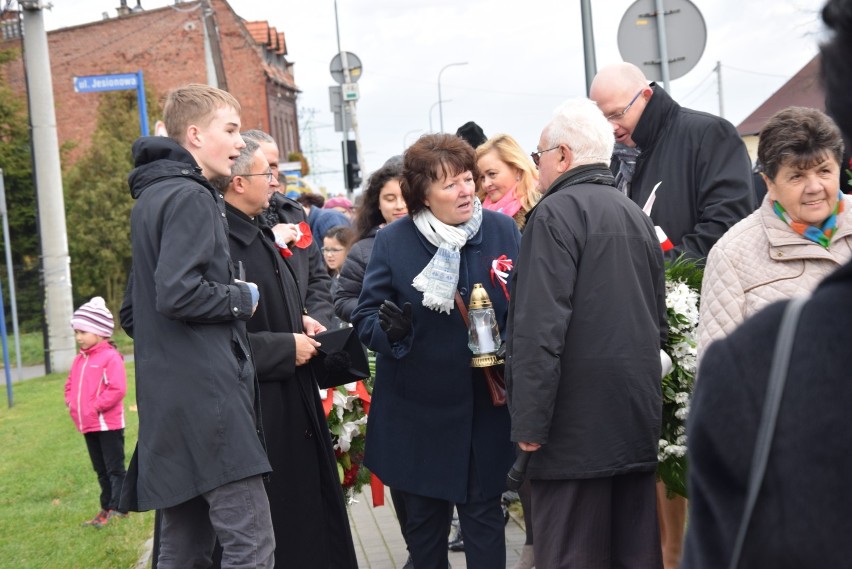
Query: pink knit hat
<point x="94" y="317"/>
<point x="338" y="201"/>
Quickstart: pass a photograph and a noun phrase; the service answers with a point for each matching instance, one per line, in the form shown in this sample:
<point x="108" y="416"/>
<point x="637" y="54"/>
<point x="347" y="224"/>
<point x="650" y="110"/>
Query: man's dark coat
<point x="305" y="497"/>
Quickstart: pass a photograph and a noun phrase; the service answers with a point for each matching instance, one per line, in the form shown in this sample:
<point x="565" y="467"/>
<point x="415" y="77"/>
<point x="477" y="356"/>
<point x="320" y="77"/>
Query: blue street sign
<point x="117" y="82"/>
<point x="94" y="83"/>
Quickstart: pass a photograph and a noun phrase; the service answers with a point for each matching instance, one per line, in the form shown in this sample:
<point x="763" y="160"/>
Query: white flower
<point x="675" y="450"/>
<point x="342" y="402"/>
<point x="682" y="413"/>
<point x="683" y="301"/>
<point x="681" y="397"/>
<point x="349" y="431"/>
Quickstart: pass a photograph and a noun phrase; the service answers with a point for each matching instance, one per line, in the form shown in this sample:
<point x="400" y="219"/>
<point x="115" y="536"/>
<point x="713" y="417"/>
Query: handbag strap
<point x="462" y="309"/>
<point x="766" y="430"/>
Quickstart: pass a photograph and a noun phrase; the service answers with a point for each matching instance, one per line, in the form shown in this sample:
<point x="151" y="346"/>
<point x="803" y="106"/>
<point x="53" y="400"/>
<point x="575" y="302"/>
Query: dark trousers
<point x="596" y="523"/>
<point x="398" y="499"/>
<point x="106" y="449"/>
<point x="526" y="504"/>
<point x="427" y="525"/>
<point x="237" y="513"/>
<point x="399" y="508"/>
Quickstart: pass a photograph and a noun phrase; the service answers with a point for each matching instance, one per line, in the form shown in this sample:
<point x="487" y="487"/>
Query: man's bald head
<point x="621" y="92"/>
<point x="621" y="77"/>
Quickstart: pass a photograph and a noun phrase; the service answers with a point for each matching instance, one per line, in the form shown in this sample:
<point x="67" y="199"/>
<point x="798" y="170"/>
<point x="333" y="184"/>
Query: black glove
<point x="501" y="351"/>
<point x="395" y="322"/>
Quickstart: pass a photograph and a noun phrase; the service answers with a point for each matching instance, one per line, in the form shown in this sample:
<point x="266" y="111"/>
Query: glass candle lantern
<point x="483" y="332"/>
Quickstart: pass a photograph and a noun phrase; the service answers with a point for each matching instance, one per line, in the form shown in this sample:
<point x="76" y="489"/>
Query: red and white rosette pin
<point x="500" y="268"/>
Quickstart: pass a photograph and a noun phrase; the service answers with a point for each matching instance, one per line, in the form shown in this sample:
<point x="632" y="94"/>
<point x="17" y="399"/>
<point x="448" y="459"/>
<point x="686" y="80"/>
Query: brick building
<point x="202" y="41"/>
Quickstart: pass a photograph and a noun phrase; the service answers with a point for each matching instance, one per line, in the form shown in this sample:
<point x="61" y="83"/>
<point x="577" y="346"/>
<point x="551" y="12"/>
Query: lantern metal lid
<point x="479" y="298"/>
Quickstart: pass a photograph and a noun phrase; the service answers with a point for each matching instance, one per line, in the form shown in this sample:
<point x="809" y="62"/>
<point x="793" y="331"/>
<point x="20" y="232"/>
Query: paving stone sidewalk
<point x="379" y="544"/>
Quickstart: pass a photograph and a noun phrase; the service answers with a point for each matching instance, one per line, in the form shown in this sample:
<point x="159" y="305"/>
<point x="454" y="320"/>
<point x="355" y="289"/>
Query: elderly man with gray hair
<point x="586" y="322"/>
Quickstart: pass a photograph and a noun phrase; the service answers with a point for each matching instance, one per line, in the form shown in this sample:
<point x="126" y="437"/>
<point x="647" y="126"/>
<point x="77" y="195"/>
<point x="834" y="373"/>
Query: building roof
<point x="803" y="90"/>
<point x="267" y="36"/>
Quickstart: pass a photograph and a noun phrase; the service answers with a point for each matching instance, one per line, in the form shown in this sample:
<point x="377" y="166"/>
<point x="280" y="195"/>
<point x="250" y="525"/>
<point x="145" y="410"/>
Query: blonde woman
<point x="508" y="180"/>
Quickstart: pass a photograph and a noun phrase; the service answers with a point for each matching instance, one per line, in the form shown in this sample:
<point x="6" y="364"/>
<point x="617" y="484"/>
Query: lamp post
<point x="405" y="137"/>
<point x="440" y="107"/>
<point x="432" y="108"/>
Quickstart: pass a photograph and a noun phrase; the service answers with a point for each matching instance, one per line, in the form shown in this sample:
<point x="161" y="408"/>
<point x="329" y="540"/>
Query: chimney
<point x="123" y="10"/>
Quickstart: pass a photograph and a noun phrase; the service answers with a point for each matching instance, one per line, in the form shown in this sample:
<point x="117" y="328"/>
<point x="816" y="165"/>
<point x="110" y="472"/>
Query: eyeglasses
<point x="331" y="250"/>
<point x="536" y="156"/>
<point x="269" y="175"/>
<point x="616" y="116"/>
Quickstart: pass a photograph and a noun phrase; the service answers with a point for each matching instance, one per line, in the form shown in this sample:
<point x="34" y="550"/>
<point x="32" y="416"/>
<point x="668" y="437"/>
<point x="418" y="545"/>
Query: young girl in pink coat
<point x="94" y="395"/>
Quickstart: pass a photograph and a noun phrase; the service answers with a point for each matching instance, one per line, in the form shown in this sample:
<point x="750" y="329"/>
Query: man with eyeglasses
<point x="284" y="215"/>
<point x="690" y="169"/>
<point x="305" y="498"/>
<point x="586" y="322"/>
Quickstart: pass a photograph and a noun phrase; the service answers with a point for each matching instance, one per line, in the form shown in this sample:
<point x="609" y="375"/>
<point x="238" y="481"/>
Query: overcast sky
<point x="523" y="59"/>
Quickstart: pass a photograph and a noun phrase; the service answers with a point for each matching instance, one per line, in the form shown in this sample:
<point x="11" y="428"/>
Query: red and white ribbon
<point x="500" y="268"/>
<point x="665" y="242"/>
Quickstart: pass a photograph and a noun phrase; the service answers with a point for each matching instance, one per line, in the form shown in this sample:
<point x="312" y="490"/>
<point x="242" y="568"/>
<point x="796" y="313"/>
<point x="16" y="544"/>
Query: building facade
<point x="203" y="41"/>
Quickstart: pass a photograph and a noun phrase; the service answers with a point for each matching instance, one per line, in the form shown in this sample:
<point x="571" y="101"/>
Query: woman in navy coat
<point x="433" y="432"/>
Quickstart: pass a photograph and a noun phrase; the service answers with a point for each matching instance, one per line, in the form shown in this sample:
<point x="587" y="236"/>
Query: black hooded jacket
<point x="195" y="380"/>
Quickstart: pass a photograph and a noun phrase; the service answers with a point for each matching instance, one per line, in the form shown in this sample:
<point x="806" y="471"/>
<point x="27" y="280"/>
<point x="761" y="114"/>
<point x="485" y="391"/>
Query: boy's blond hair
<point x="194" y="104"/>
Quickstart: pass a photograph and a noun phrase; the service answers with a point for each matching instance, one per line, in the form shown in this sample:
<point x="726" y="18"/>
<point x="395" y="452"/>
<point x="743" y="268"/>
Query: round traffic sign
<point x="686" y="36"/>
<point x="352" y="62"/>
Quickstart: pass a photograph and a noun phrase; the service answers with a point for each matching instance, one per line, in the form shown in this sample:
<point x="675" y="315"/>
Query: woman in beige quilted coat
<point x="800" y="233"/>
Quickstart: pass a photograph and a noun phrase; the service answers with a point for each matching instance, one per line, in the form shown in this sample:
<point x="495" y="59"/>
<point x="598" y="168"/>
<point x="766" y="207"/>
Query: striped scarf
<point x="822" y="234"/>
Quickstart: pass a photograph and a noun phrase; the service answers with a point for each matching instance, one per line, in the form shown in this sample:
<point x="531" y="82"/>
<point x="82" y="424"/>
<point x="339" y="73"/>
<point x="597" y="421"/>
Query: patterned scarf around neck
<point x="818" y="234"/>
<point x="439" y="279"/>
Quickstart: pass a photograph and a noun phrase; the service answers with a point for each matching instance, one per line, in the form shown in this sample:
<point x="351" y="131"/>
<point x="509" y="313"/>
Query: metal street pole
<point x="719" y="84"/>
<point x="10" y="272"/>
<point x="48" y="178"/>
<point x="588" y="43"/>
<point x="344" y="59"/>
<point x="343" y="103"/>
<point x="440" y="107"/>
<point x="661" y="39"/>
<point x="432" y="108"/>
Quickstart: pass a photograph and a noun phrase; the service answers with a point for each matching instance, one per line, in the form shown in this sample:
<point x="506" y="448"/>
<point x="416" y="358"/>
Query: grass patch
<point x="48" y="487"/>
<point x="32" y="347"/>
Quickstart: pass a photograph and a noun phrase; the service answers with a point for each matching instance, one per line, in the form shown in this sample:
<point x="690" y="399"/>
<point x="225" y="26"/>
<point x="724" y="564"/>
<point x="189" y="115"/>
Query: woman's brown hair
<point x="432" y="158"/>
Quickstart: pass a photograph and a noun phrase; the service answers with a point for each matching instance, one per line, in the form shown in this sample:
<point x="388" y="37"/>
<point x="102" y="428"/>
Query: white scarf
<point x="439" y="279"/>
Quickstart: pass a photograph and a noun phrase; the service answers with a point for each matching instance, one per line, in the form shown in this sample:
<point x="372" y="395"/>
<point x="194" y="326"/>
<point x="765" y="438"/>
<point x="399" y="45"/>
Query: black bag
<point x="341" y="358"/>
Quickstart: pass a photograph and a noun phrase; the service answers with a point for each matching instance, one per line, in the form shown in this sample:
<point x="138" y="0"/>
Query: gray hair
<point x="242" y="165"/>
<point x="257" y="136"/>
<point x="580" y="124"/>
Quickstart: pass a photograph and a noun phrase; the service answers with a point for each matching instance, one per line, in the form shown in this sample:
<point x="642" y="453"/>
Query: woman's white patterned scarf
<point x="439" y="279"/>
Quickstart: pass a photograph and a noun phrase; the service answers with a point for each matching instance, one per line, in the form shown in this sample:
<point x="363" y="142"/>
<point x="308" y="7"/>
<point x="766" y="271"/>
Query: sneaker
<point x="99" y="520"/>
<point x="116" y="514"/>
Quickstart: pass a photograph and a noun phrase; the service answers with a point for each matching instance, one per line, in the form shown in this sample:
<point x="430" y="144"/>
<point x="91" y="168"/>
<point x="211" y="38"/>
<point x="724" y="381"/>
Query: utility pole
<point x="359" y="158"/>
<point x="719" y="85"/>
<point x="56" y="264"/>
<point x="588" y="43"/>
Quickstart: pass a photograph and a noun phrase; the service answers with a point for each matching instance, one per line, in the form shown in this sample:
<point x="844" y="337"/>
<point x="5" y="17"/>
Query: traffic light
<point x="351" y="168"/>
